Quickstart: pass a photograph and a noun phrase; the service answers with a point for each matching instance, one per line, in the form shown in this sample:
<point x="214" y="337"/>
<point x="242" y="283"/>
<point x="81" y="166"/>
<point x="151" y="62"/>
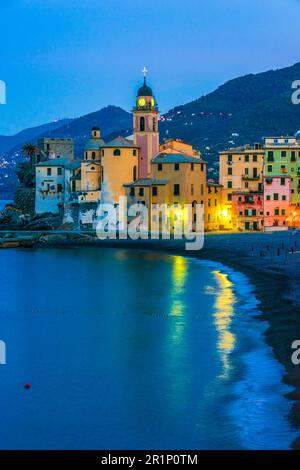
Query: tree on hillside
<point x="28" y="150"/>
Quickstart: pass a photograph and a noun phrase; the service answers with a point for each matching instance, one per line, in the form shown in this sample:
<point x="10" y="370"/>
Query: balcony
<point x="250" y="178"/>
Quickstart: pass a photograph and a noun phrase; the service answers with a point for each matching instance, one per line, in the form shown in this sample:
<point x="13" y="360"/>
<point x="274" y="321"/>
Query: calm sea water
<point x="125" y="349"/>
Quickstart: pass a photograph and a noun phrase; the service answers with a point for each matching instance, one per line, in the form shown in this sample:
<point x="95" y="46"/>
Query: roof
<point x="94" y="144"/>
<point x="61" y="162"/>
<point x="147" y="182"/>
<point x="175" y="158"/>
<point x="144" y="90"/>
<point x="119" y="142"/>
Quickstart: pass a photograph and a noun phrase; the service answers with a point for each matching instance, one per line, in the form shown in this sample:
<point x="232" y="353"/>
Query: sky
<point x="66" y="58"/>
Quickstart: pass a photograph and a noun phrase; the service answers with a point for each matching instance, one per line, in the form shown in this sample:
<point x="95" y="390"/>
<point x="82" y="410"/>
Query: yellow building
<point x="119" y="161"/>
<point x="178" y="146"/>
<point x="91" y="169"/>
<point x="241" y="169"/>
<point x="215" y="216"/>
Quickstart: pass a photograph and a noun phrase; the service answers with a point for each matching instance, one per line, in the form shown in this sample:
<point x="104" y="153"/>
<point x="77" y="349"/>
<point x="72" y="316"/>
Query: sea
<point x="130" y="349"/>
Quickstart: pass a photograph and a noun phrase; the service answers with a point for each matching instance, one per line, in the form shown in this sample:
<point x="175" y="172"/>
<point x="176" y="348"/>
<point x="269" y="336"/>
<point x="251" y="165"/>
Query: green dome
<point x="145" y="90"/>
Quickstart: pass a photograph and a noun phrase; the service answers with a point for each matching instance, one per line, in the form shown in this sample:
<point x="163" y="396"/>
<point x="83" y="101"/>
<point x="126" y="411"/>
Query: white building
<point x="53" y="184"/>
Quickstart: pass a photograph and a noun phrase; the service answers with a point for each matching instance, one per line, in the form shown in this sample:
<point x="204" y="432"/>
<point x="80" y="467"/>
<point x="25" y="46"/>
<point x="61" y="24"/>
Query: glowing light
<point x="223" y="319"/>
<point x="225" y="213"/>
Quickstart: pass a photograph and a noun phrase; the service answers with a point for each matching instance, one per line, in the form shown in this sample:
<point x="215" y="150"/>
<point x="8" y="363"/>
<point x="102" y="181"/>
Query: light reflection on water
<point x="224" y="311"/>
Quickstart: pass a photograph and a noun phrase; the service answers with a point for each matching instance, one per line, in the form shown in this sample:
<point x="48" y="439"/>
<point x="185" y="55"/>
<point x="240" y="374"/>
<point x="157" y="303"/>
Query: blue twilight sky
<point x="65" y="58"/>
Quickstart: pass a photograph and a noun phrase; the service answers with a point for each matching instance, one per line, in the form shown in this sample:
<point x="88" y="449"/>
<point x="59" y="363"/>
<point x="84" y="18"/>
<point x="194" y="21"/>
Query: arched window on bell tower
<point x="142" y="124"/>
<point x="154" y="124"/>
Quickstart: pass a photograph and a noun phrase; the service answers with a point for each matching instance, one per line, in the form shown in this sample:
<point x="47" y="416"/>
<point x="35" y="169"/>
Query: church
<point x="140" y="168"/>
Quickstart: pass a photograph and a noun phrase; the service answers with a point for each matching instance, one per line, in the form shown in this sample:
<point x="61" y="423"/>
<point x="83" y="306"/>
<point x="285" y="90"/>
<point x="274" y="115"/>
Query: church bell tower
<point x="145" y="126"/>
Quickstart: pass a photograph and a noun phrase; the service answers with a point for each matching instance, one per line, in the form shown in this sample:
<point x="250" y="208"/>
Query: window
<point x="284" y="198"/>
<point x="282" y="181"/>
<point x="159" y="167"/>
<point x="59" y="188"/>
<point x="246" y="185"/>
<point x="192" y="166"/>
<point x="142" y="124"/>
<point x="154" y="190"/>
<point x="154" y="125"/>
<point x="134" y="173"/>
<point x="270" y="156"/>
<point x="229" y="197"/>
<point x="276" y="212"/>
<point x="59" y="171"/>
<point x="229" y="171"/>
<point x="283" y="212"/>
<point x="229" y="186"/>
<point x="117" y="152"/>
<point x="229" y="158"/>
<point x="246" y="171"/>
<point x="283" y="154"/>
<point x="176" y="189"/>
<point x="202" y="166"/>
<point x="93" y="155"/>
<point x="134" y="152"/>
<point x="48" y="171"/>
<point x="276" y="196"/>
<point x="270" y="168"/>
<point x="254" y="172"/>
<point x="176" y="167"/>
<point x="132" y="191"/>
<point x="92" y="168"/>
<point x="293" y="156"/>
<point x="192" y="190"/>
<point x="268" y="198"/>
<point x="246" y="158"/>
<point x="141" y="191"/>
<point x="254" y="158"/>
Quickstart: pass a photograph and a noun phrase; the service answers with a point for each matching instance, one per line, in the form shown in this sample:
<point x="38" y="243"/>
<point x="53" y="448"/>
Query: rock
<point x="12" y="219"/>
<point x="45" y="221"/>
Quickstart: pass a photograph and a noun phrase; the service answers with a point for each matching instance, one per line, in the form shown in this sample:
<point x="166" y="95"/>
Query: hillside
<point x="109" y="119"/>
<point x="243" y="110"/>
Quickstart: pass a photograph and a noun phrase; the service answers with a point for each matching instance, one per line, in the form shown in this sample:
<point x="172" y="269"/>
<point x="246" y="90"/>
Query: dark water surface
<point x="125" y="349"/>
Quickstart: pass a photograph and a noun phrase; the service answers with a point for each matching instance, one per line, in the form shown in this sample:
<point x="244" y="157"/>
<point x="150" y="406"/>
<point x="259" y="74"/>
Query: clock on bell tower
<point x="145" y="127"/>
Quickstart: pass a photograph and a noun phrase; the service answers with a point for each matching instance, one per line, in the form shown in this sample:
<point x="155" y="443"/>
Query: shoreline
<point x="264" y="259"/>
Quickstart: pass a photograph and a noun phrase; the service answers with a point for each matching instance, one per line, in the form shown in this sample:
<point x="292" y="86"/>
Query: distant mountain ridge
<point x="243" y="110"/>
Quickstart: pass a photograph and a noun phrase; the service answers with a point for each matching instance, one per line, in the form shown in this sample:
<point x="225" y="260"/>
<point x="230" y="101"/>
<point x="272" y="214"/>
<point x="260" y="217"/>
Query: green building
<point x="282" y="158"/>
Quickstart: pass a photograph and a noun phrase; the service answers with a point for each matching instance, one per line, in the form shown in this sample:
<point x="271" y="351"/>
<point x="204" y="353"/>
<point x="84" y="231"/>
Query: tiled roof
<point x="120" y="142"/>
<point x="147" y="182"/>
<point x="175" y="158"/>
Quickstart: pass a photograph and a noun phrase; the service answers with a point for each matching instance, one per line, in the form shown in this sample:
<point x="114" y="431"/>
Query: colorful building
<point x="282" y="158"/>
<point x="241" y="170"/>
<point x="277" y="201"/>
<point x="247" y="208"/>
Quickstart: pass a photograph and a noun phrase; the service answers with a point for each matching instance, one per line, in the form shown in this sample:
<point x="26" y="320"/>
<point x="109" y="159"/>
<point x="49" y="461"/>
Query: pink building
<point x="247" y="210"/>
<point x="277" y="190"/>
